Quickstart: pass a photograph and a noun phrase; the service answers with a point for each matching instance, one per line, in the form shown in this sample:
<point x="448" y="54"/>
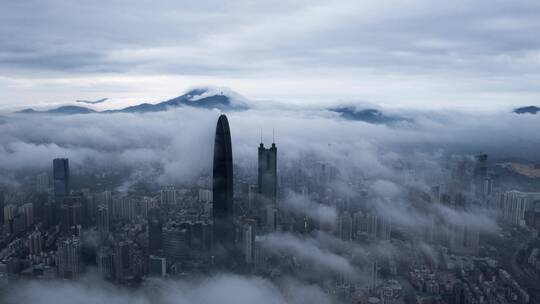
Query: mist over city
<point x="288" y="152"/>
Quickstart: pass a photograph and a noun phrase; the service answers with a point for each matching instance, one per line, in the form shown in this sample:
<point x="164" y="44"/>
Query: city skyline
<point x="344" y="152"/>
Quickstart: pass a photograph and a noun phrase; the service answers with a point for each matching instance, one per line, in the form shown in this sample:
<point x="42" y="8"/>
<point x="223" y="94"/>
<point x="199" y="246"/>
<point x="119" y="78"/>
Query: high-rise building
<point x="267" y="174"/>
<point x="61" y="177"/>
<point x="248" y="237"/>
<point x="27" y="211"/>
<point x="105" y="262"/>
<point x="480" y="175"/>
<point x="103" y="221"/>
<point x="70" y="213"/>
<point x="175" y="243"/>
<point x="267" y="184"/>
<point x="157" y="266"/>
<point x="35" y="243"/>
<point x="155" y="234"/>
<point x="222" y="188"/>
<point x="122" y="260"/>
<point x="42" y="182"/>
<point x="2" y="206"/>
<point x="68" y="258"/>
<point x="168" y="196"/>
<point x="512" y="205"/>
<point x="9" y="213"/>
<point x="345" y="226"/>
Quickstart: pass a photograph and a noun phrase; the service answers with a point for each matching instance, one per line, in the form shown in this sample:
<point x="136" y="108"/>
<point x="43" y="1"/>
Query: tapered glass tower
<point x="223" y="184"/>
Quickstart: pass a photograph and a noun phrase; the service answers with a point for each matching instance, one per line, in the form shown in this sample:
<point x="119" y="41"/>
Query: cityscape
<point x="474" y="238"/>
<point x="295" y="152"/>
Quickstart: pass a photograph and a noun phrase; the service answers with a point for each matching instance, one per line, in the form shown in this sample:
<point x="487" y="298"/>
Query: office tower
<point x="248" y="237"/>
<point x="222" y="188"/>
<point x="70" y="213"/>
<point x="480" y="175"/>
<point x="35" y="243"/>
<point x="39" y="200"/>
<point x="267" y="174"/>
<point x="148" y="204"/>
<point x="345" y="226"/>
<point x="126" y="208"/>
<point x="168" y="196"/>
<point x="105" y="262"/>
<point x="103" y="222"/>
<point x="385" y="228"/>
<point x="68" y="258"/>
<point x="27" y="211"/>
<point x="155" y="236"/>
<point x="18" y="223"/>
<point x="267" y="184"/>
<point x="122" y="260"/>
<point x="61" y="177"/>
<point x="175" y="243"/>
<point x="2" y="201"/>
<point x="373" y="274"/>
<point x="42" y="183"/>
<point x="9" y="213"/>
<point x="157" y="266"/>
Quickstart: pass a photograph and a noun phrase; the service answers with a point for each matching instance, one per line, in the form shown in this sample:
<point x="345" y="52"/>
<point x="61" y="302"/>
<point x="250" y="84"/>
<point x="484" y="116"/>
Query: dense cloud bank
<point x="179" y="142"/>
<point x="220" y="288"/>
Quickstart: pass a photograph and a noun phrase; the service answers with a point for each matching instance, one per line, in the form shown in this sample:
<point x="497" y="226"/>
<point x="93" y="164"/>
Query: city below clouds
<point x="475" y="55"/>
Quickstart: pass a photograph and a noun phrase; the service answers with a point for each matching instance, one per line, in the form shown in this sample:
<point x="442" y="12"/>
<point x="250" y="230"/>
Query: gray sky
<point x="412" y="53"/>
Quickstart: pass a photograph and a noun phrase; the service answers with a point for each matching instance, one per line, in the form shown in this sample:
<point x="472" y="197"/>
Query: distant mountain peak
<point x="527" y="110"/>
<point x="368" y="115"/>
<point x="60" y="110"/>
<point x="207" y="98"/>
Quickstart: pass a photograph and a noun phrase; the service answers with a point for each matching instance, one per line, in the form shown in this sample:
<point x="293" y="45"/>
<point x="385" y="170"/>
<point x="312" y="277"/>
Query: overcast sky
<point x="465" y="54"/>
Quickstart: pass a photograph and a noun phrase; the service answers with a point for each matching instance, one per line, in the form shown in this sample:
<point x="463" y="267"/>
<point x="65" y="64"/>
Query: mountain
<point x="61" y="110"/>
<point x="527" y="110"/>
<point x="198" y="98"/>
<point x="93" y="101"/>
<point x="372" y="116"/>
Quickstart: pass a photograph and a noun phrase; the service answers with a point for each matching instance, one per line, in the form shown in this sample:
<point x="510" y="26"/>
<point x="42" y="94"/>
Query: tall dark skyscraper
<point x="155" y="231"/>
<point x="480" y="174"/>
<point x="61" y="177"/>
<point x="267" y="180"/>
<point x="223" y="184"/>
<point x="1" y="206"/>
<point x="267" y="185"/>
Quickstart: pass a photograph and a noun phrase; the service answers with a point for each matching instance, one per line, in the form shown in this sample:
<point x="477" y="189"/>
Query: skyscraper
<point x="480" y="175"/>
<point x="267" y="177"/>
<point x="103" y="222"/>
<point x="61" y="177"/>
<point x="222" y="187"/>
<point x="1" y="206"/>
<point x="155" y="234"/>
<point x="68" y="258"/>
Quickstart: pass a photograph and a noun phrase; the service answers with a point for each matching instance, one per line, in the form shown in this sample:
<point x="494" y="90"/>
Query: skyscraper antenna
<point x="261" y="135"/>
<point x="273" y="136"/>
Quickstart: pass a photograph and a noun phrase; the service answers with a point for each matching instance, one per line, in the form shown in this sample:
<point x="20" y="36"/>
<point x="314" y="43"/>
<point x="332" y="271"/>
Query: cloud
<point x="225" y="288"/>
<point x="319" y="259"/>
<point x="424" y="55"/>
<point x="301" y="205"/>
